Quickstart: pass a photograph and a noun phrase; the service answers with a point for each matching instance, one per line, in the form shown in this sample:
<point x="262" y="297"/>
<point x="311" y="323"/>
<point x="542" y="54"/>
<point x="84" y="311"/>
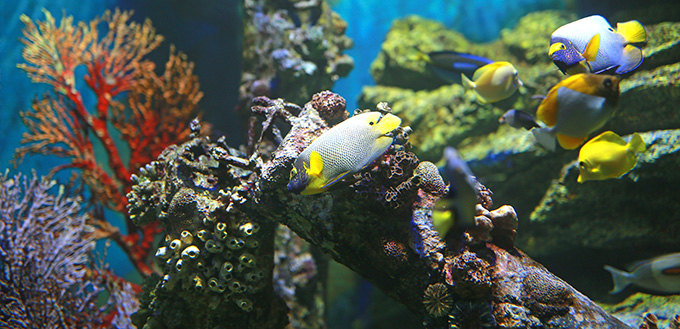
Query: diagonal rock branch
<point x="377" y="222"/>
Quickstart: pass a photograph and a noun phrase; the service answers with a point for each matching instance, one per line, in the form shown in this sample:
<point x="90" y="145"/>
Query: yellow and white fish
<point x="575" y="108"/>
<point x="346" y="148"/>
<point x="591" y="45"/>
<point x="493" y="82"/>
<point x="608" y="156"/>
<point x="660" y="274"/>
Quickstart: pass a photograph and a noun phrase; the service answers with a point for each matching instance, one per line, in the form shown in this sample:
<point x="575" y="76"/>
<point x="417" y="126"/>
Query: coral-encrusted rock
<point x="218" y="266"/>
<point x="211" y="257"/>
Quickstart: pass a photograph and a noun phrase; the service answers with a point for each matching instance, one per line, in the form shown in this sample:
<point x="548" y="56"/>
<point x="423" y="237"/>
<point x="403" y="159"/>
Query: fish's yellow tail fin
<point x="467" y="83"/>
<point x="632" y="31"/>
<point x="636" y="144"/>
<point x="593" y="46"/>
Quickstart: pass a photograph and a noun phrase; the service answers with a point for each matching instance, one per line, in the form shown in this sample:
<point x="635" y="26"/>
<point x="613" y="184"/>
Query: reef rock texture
<point x="291" y="49"/>
<point x="612" y="221"/>
<point x="633" y="309"/>
<point x="220" y="209"/>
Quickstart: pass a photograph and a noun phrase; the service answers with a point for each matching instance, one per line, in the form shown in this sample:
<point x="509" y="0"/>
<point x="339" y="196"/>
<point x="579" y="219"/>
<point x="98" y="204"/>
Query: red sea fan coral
<point x="112" y="50"/>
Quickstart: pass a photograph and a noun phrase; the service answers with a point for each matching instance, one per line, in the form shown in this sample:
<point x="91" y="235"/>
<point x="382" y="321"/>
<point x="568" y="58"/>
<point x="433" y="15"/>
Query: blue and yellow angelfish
<point x="344" y="149"/>
<point x="591" y="45"/>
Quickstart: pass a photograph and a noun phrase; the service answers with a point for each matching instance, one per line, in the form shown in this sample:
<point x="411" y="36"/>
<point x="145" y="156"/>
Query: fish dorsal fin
<point x="593" y="46"/>
<point x="315" y="164"/>
<point x="467" y="83"/>
<point x="608" y="136"/>
<point x="632" y="31"/>
<point x="636" y="144"/>
<point x="569" y="142"/>
<point x="488" y="67"/>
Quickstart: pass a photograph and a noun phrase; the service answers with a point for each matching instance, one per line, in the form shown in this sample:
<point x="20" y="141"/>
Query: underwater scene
<point x="340" y="164"/>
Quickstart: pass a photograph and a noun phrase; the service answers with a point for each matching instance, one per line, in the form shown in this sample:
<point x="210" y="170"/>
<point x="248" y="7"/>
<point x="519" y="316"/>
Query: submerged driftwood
<point x="221" y="208"/>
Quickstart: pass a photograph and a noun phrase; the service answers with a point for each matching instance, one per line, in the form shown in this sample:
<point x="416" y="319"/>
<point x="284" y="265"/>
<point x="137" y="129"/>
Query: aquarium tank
<point x="339" y="164"/>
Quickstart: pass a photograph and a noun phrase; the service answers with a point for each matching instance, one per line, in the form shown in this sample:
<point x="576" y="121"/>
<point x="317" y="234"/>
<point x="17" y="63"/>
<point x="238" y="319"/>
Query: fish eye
<point x="562" y="46"/>
<point x="371" y="123"/>
<point x="582" y="164"/>
<point x="607" y="83"/>
<point x="611" y="29"/>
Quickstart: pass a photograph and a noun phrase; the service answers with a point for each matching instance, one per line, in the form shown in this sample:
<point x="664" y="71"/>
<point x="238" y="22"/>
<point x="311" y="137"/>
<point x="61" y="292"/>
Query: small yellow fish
<point x="493" y="82"/>
<point x="346" y="148"/>
<point x="608" y="156"/>
<point x="575" y="108"/>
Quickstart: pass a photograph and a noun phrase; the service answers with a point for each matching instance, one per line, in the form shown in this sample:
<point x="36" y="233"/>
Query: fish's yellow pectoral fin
<point x="315" y="164"/>
<point x="593" y="46"/>
<point x="467" y="83"/>
<point x="569" y="142"/>
<point x="632" y="31"/>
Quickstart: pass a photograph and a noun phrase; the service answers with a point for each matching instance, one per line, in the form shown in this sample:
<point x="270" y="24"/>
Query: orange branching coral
<point x="112" y="49"/>
<point x="161" y="107"/>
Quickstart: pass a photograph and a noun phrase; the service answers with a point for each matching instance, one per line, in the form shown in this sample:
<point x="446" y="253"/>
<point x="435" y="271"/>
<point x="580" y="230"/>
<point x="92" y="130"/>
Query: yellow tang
<point x="346" y="148"/>
<point x="608" y="156"/>
<point x="493" y="82"/>
<point x="575" y="108"/>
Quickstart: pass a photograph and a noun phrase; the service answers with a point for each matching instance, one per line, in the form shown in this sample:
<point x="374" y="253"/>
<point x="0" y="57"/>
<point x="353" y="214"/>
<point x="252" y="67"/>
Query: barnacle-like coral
<point x="437" y="300"/>
<point x="211" y="250"/>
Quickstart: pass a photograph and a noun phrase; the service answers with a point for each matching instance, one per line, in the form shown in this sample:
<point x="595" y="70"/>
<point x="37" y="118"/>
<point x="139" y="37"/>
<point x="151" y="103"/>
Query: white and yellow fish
<point x="591" y="45"/>
<point x="575" y="108"/>
<point x="608" y="156"/>
<point x="493" y="82"/>
<point x="346" y="148"/>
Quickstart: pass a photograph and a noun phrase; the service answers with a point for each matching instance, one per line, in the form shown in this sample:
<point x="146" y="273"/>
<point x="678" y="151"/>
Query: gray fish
<point x="519" y="119"/>
<point x="660" y="274"/>
<point x="463" y="188"/>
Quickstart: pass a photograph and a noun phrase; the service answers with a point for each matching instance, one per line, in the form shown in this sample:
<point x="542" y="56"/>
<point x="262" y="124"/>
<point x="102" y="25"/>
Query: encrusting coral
<point x="112" y="50"/>
<point x="208" y="190"/>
